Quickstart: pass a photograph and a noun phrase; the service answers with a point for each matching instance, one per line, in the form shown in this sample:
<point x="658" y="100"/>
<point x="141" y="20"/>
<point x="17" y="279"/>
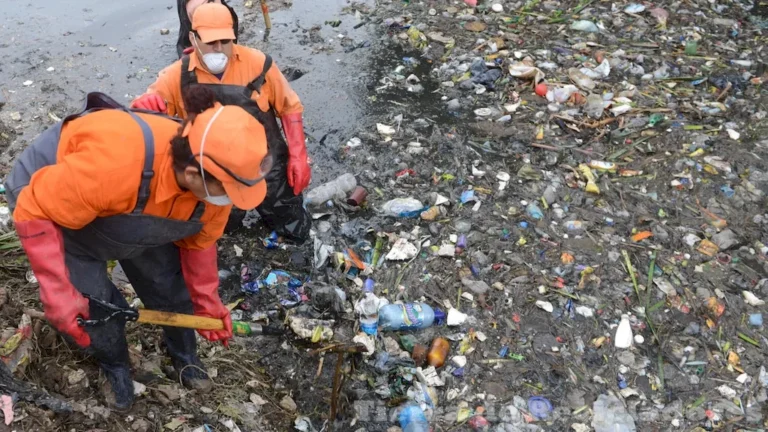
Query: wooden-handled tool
<point x="267" y="20"/>
<point x="179" y="320"/>
<point x="171" y="319"/>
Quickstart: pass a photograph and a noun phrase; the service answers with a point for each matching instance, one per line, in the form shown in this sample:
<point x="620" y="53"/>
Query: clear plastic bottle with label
<point x="335" y="189"/>
<point x="368" y="309"/>
<point x="409" y="316"/>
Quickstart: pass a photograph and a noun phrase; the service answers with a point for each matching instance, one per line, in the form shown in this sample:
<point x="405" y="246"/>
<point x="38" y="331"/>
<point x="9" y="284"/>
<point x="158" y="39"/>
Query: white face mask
<point x="217" y="200"/>
<point x="216" y="63"/>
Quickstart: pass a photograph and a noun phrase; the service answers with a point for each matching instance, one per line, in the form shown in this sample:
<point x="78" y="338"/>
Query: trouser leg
<point x="157" y="279"/>
<point x="108" y="344"/>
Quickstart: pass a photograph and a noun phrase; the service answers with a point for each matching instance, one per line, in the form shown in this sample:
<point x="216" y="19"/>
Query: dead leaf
<point x="170" y="392"/>
<point x="475" y="26"/>
<point x="175" y="423"/>
<point x="257" y="400"/>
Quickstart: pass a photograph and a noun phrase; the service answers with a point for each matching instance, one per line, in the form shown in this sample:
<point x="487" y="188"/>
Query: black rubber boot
<point x="182" y="348"/>
<point x="117" y="386"/>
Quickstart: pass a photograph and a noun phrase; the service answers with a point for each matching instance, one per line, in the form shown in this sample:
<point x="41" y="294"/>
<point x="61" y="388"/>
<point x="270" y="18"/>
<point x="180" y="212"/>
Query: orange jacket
<point x="244" y="66"/>
<point x="97" y="174"/>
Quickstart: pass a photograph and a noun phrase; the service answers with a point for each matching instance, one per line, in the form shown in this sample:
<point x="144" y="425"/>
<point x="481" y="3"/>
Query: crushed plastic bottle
<point x="534" y="211"/>
<point x="409" y="316"/>
<point x="595" y="106"/>
<point x="403" y="207"/>
<point x="585" y="26"/>
<point x="368" y="309"/>
<point x="574" y="225"/>
<point x="412" y="419"/>
<point x="562" y="94"/>
<point x="582" y="81"/>
<point x="335" y="189"/>
<point x="611" y="416"/>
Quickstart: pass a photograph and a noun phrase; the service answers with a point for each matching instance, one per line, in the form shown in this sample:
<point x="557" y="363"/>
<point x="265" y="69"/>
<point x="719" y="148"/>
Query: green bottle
<point x="240" y="328"/>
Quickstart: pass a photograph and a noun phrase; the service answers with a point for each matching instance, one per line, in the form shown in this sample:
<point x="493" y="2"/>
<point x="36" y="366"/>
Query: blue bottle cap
<point x="368" y="285"/>
<point x="439" y="317"/>
<point x="539" y="407"/>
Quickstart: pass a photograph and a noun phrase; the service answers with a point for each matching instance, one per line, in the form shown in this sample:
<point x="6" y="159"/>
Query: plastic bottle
<point x="602" y="165"/>
<point x="409" y="316"/>
<point x="595" y="106"/>
<point x="461" y="244"/>
<point x="368" y="308"/>
<point x="562" y="94"/>
<point x="335" y="189"/>
<point x="610" y="415"/>
<point x="412" y="419"/>
<point x="534" y="211"/>
<point x="240" y="328"/>
<point x="744" y="63"/>
<point x="438" y="352"/>
<point x="419" y="355"/>
<point x="623" y="337"/>
<point x="403" y="207"/>
<point x="574" y="225"/>
<point x="585" y="26"/>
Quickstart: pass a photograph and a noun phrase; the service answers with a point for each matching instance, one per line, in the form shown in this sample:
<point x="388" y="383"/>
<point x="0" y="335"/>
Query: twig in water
<point x="336" y="389"/>
<point x="319" y="368"/>
<point x="725" y="91"/>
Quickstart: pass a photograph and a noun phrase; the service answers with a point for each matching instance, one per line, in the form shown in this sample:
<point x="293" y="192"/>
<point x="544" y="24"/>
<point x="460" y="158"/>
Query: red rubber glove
<point x="188" y="50"/>
<point x="150" y="102"/>
<point x="299" y="172"/>
<point x="63" y="304"/>
<point x="201" y="273"/>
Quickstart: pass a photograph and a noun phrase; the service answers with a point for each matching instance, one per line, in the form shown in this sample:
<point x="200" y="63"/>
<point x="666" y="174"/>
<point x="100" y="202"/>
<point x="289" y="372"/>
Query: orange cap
<point x="213" y="22"/>
<point x="231" y="143"/>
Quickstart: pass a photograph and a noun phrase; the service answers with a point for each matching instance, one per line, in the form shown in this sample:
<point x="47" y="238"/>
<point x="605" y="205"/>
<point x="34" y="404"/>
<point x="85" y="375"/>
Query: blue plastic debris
<point x="621" y="381"/>
<point x="503" y="351"/>
<point x="271" y="242"/>
<point x="274" y="278"/>
<point x="468" y="196"/>
<point x="539" y="407"/>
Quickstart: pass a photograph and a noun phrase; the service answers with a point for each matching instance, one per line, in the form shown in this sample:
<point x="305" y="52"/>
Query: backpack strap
<point x="255" y="85"/>
<point x="188" y="77"/>
<point x="149" y="158"/>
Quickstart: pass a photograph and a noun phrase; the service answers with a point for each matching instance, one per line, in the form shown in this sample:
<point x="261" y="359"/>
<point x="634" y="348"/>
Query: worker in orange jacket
<point x="186" y="9"/>
<point x="247" y="78"/>
<point x="108" y="183"/>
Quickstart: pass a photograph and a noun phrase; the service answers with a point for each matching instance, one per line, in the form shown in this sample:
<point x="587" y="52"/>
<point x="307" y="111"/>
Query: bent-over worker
<point x="111" y="184"/>
<point x="249" y="79"/>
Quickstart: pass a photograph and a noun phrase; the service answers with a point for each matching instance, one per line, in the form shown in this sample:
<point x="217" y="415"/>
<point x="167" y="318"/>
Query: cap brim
<point x="245" y="197"/>
<point x="212" y="35"/>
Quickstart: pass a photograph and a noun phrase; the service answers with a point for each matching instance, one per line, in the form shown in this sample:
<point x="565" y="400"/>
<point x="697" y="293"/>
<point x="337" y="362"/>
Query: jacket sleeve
<point x="281" y="95"/>
<point x="168" y="86"/>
